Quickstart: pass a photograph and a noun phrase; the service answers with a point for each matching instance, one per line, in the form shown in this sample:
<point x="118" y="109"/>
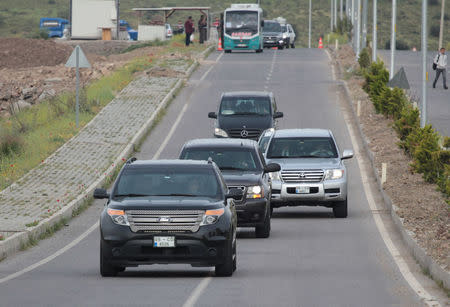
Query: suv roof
<point x="247" y="93"/>
<point x="302" y="133"/>
<point x="224" y="143"/>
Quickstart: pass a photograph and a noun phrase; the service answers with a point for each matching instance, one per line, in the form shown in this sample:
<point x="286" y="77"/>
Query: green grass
<point x="35" y="223"/>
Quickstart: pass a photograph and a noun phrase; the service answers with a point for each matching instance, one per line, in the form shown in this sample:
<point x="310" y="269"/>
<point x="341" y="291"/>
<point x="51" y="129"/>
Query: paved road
<point x="311" y="259"/>
<point x="438" y="98"/>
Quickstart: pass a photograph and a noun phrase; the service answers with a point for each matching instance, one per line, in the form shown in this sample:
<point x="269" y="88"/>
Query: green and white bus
<point x="242" y="28"/>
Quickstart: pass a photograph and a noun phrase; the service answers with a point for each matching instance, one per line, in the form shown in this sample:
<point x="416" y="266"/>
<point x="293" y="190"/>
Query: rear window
<point x="226" y="159"/>
<point x="302" y="147"/>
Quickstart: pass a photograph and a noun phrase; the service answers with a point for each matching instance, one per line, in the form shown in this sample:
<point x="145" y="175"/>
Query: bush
<point x="376" y="79"/>
<point x="408" y="121"/>
<point x="10" y="144"/>
<point x="39" y="34"/>
<point x="364" y="59"/>
<point x="343" y="26"/>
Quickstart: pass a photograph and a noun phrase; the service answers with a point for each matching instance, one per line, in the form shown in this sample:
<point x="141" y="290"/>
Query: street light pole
<point x="341" y="8"/>
<point x="358" y="31"/>
<point x="364" y="23"/>
<point x="441" y="30"/>
<point x="331" y="16"/>
<point x="423" y="117"/>
<point x="347" y="8"/>
<point x="374" y="34"/>
<point x="335" y="13"/>
<point x="309" y="30"/>
<point x="393" y="38"/>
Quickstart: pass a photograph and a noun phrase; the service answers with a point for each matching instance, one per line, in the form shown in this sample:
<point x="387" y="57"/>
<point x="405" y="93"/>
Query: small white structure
<point x="151" y="32"/>
<point x="90" y="17"/>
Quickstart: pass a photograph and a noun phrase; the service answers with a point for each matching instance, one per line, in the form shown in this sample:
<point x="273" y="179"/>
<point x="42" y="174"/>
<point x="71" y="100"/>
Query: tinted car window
<point x="271" y="27"/>
<point x="168" y="182"/>
<point x="226" y="159"/>
<point x="245" y="106"/>
<point x="310" y="147"/>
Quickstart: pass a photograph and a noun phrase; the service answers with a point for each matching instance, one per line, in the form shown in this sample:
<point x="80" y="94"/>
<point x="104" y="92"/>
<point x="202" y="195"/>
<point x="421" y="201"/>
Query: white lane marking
<point x="198" y="291"/>
<point x="51" y="257"/>
<point x="171" y="132"/>
<point x="272" y="66"/>
<point x="395" y="253"/>
<point x="212" y="66"/>
<point x="93" y="227"/>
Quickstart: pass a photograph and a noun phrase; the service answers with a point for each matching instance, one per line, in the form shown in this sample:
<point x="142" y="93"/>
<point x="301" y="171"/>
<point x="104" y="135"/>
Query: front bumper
<point x="273" y="42"/>
<point x="122" y="247"/>
<point x="322" y="193"/>
<point x="251" y="212"/>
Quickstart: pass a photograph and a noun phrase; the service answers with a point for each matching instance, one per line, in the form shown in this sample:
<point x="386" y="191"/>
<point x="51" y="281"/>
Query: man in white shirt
<point x="441" y="67"/>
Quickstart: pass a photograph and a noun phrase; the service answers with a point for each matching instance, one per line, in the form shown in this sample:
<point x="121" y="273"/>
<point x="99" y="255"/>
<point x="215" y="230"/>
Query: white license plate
<point x="302" y="190"/>
<point x="164" y="242"/>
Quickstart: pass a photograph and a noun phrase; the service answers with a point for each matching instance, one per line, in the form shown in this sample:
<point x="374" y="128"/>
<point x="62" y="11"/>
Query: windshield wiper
<point x="310" y="156"/>
<point x="177" y="194"/>
<point x="131" y="195"/>
<point x="230" y="168"/>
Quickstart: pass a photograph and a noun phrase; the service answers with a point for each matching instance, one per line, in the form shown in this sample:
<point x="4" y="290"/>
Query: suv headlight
<point x="284" y="35"/>
<point x="212" y="216"/>
<point x="118" y="216"/>
<point x="220" y="132"/>
<point x="332" y="174"/>
<point x="255" y="192"/>
<point x="275" y="176"/>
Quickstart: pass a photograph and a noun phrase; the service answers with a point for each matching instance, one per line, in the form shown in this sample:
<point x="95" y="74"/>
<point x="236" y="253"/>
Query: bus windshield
<point x="241" y="23"/>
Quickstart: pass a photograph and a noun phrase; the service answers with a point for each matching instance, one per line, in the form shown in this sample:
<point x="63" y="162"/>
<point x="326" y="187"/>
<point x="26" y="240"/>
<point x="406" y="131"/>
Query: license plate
<point x="302" y="190"/>
<point x="164" y="242"/>
<point x="269" y="41"/>
<point x="242" y="45"/>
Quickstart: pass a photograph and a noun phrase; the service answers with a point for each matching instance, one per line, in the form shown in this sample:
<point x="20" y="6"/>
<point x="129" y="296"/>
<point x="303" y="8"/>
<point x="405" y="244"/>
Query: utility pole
<point x="393" y="38"/>
<point x="341" y="8"/>
<point x="374" y="33"/>
<point x="423" y="115"/>
<point x="358" y="30"/>
<point x="309" y="30"/>
<point x="331" y="16"/>
<point x="352" y="14"/>
<point x="335" y="13"/>
<point x="347" y="8"/>
<point x="441" y="30"/>
<point x="364" y="23"/>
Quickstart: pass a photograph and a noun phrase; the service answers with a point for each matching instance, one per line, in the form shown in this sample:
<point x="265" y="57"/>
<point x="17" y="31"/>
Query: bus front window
<point x="241" y="23"/>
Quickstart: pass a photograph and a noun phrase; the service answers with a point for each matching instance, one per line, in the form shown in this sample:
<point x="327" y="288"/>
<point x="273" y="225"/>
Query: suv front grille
<point x="165" y="220"/>
<point x="302" y="176"/>
<point x="250" y="133"/>
<point x="242" y="188"/>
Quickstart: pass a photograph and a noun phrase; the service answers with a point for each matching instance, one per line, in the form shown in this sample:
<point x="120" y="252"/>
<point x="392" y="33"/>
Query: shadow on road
<point x="166" y="274"/>
<point x="302" y="215"/>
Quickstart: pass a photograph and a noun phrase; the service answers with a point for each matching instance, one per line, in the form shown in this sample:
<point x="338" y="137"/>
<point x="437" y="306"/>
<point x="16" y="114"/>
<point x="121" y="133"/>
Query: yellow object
<point x="106" y="34"/>
<point x="427" y="75"/>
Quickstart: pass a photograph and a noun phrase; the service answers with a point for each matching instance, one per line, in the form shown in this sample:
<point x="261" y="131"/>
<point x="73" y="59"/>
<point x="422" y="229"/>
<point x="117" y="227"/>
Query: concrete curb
<point x="437" y="272"/>
<point x="20" y="240"/>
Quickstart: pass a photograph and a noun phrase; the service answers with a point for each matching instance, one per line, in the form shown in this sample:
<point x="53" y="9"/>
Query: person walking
<point x="440" y="65"/>
<point x="202" y="25"/>
<point x="188" y="29"/>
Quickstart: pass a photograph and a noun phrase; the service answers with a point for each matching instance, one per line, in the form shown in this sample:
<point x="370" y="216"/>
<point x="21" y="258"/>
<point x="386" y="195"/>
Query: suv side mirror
<point x="272" y="167"/>
<point x="235" y="194"/>
<point x="212" y="115"/>
<point x="100" y="194"/>
<point x="278" y="115"/>
<point x="347" y="154"/>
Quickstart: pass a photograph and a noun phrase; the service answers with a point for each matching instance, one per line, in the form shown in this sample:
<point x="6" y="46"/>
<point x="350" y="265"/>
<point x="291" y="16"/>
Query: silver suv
<point x="312" y="169"/>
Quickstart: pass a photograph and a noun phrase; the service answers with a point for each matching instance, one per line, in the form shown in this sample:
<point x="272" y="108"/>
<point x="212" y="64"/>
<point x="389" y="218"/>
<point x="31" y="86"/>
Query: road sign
<point x="78" y="60"/>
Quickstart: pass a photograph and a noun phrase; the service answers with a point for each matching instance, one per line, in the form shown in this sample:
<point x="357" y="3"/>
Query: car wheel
<point x="263" y="230"/>
<point x="340" y="209"/>
<point x="288" y="44"/>
<point x="227" y="268"/>
<point x="292" y="45"/>
<point x="227" y="51"/>
<point x="259" y="50"/>
<point x="106" y="269"/>
<point x="280" y="47"/>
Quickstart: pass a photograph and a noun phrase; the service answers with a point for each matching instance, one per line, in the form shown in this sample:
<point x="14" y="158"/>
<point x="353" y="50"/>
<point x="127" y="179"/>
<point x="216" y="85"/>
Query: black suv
<point x="168" y="211"/>
<point x="244" y="169"/>
<point x="273" y="34"/>
<point x="245" y="114"/>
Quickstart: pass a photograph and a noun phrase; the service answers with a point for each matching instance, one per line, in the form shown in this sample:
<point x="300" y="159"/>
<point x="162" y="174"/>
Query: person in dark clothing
<point x="202" y="28"/>
<point x="189" y="29"/>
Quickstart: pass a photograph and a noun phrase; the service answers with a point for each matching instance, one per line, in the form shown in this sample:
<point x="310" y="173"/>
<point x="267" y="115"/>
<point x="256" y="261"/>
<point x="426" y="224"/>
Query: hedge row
<point x="423" y="144"/>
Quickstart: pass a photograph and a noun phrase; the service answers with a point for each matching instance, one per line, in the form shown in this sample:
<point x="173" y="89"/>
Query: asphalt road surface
<point x="310" y="259"/>
<point x="438" y="99"/>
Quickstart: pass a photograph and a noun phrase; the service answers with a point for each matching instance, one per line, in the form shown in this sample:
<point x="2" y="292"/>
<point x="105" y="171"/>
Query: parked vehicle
<point x="168" y="211"/>
<point x="244" y="169"/>
<point x="245" y="114"/>
<point x="312" y="169"/>
<point x="242" y="28"/>
<point x="288" y="33"/>
<point x="54" y="26"/>
<point x="132" y="34"/>
<point x="169" y="32"/>
<point x="272" y="34"/>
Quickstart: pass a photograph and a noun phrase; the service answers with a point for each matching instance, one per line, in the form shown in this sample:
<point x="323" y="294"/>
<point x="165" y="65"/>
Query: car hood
<point x="233" y="178"/>
<point x="272" y="34"/>
<point x="245" y="121"/>
<point x="165" y="203"/>
<point x="306" y="163"/>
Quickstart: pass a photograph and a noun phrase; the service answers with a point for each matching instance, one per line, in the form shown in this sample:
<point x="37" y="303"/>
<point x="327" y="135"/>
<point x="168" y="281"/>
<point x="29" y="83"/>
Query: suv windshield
<point x="302" y="147"/>
<point x="245" y="106"/>
<point x="226" y="159"/>
<point x="168" y="181"/>
<point x="271" y="27"/>
<point x="243" y="23"/>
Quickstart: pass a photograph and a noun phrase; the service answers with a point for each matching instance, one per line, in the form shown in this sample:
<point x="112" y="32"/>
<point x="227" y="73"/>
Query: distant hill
<point x="21" y="17"/>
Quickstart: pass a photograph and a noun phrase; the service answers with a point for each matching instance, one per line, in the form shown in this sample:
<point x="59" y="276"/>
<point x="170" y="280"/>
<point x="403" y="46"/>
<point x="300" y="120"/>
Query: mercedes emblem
<point x="244" y="133"/>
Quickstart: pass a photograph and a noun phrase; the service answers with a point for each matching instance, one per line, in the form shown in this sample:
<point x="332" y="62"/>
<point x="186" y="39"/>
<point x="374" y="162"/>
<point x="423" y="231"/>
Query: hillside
<point x="21" y="17"/>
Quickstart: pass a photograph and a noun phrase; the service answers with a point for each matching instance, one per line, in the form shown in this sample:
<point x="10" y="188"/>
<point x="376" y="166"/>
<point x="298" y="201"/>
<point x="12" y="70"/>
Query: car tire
<point x="280" y="47"/>
<point x="259" y="50"/>
<point x="227" y="51"/>
<point x="229" y="265"/>
<point x="263" y="230"/>
<point x="340" y="209"/>
<point x="292" y="45"/>
<point x="288" y="44"/>
<point x="106" y="269"/>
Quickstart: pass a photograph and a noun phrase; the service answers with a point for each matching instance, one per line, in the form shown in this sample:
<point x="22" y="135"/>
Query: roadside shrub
<point x="10" y="144"/>
<point x="395" y="105"/>
<point x="408" y="121"/>
<point x="364" y="59"/>
<point x="39" y="34"/>
<point x="376" y="78"/>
